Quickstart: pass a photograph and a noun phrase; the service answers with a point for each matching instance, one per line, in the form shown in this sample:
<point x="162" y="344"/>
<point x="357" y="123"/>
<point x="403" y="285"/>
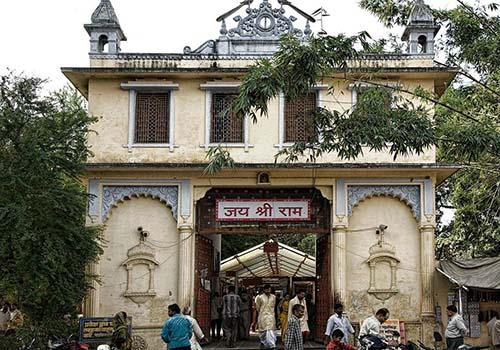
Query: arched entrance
<point x="271" y="212"/>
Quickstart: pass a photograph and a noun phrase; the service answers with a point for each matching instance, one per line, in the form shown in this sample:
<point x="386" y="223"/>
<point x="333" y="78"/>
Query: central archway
<point x="291" y="203"/>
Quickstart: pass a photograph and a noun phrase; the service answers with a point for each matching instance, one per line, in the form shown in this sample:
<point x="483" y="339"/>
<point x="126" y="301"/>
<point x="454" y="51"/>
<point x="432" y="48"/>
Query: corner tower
<point x="105" y="31"/>
<point x="421" y="30"/>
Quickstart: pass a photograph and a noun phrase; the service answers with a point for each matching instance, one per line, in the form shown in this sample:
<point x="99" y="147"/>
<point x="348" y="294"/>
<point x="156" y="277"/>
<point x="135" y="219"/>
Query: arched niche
<point x="408" y="194"/>
<point x="112" y="195"/>
<point x="142" y="255"/>
<point x="383" y="254"/>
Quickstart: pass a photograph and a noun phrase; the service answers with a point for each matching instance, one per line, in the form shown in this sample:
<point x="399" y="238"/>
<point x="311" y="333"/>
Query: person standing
<point x="120" y="331"/>
<point x="177" y="330"/>
<point x="4" y="317"/>
<point x="371" y="326"/>
<point x="455" y="330"/>
<point x="231" y="306"/>
<point x="215" y="315"/>
<point x="494" y="330"/>
<point x="197" y="332"/>
<point x="266" y="322"/>
<point x="293" y="336"/>
<point x="283" y="313"/>
<point x="300" y="299"/>
<point x="245" y="315"/>
<point x="338" y="321"/>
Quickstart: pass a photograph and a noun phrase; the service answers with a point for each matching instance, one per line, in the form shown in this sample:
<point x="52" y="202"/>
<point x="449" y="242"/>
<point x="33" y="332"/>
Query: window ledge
<point x="151" y="145"/>
<point x="228" y="145"/>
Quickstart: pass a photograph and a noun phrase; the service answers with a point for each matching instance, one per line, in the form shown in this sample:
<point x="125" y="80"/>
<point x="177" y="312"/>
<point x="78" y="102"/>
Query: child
<point x="336" y="341"/>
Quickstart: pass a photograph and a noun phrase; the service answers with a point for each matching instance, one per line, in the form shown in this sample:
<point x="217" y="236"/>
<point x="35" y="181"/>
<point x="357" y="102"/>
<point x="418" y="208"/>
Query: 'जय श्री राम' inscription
<point x="263" y="210"/>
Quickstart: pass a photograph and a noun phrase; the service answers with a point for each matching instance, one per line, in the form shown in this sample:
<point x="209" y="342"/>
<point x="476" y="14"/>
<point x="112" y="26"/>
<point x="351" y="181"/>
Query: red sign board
<point x="263" y="210"/>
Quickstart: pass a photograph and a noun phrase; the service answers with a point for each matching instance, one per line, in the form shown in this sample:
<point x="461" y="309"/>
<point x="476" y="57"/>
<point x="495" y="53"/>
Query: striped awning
<point x="270" y="259"/>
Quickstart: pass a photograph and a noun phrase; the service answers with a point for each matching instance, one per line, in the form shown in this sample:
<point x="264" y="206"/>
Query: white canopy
<point x="270" y="259"/>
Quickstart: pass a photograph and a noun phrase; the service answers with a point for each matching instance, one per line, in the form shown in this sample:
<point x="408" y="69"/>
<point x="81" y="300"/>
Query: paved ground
<point x="253" y="344"/>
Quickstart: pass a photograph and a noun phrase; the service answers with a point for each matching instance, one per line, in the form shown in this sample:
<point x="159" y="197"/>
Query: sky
<point x="41" y="36"/>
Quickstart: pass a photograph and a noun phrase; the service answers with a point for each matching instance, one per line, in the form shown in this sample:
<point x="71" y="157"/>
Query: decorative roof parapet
<point x="257" y="33"/>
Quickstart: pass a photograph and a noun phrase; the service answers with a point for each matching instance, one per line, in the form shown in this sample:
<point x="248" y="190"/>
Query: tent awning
<point x="475" y="273"/>
<point x="258" y="261"/>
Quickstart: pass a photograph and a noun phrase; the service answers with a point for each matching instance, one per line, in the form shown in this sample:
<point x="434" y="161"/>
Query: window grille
<point x="152" y="117"/>
<point x="226" y="126"/>
<point x="299" y="123"/>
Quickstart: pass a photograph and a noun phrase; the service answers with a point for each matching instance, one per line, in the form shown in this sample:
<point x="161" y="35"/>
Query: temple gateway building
<point x="160" y="113"/>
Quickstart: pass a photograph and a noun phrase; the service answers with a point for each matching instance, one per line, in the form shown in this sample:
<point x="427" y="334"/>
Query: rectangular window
<point x="359" y="90"/>
<point x="226" y="127"/>
<point x="152" y="117"/>
<point x="299" y="123"/>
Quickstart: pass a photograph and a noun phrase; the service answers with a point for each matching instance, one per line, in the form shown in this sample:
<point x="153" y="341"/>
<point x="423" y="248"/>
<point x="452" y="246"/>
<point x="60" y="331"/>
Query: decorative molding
<point x="326" y="192"/>
<point x="263" y="22"/>
<point x="112" y="194"/>
<point x="138" y="343"/>
<point x="200" y="192"/>
<point x="382" y="252"/>
<point x="408" y="194"/>
<point x="141" y="254"/>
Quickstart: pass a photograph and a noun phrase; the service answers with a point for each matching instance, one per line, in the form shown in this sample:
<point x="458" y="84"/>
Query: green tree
<point x="467" y="123"/>
<point x="465" y="129"/>
<point x="45" y="246"/>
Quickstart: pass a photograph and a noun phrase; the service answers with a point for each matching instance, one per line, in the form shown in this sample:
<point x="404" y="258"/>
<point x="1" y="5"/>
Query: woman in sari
<point x="283" y="313"/>
<point x="120" y="331"/>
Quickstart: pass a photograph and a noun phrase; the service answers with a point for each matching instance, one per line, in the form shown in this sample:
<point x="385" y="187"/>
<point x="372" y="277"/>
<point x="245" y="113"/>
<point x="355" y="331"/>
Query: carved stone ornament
<point x="382" y="253"/>
<point x="408" y="194"/>
<point x="265" y="21"/>
<point x="139" y="343"/>
<point x="111" y="195"/>
<point x="141" y="254"/>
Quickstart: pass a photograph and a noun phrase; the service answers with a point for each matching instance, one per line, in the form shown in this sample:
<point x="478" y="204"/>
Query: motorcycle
<point x="30" y="346"/>
<point x="67" y="344"/>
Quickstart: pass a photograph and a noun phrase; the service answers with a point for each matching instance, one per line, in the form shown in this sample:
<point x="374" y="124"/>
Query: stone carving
<point x="111" y="195"/>
<point x="409" y="194"/>
<point x="382" y="253"/>
<point x="141" y="254"/>
<point x="105" y="13"/>
<point x="264" y="22"/>
<point x="421" y="14"/>
<point x="138" y="343"/>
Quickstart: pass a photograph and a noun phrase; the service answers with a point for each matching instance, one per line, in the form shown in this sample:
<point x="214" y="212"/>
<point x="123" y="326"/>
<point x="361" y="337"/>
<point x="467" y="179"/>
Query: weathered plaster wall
<point x="121" y="235"/>
<point x="403" y="234"/>
<point x="110" y="104"/>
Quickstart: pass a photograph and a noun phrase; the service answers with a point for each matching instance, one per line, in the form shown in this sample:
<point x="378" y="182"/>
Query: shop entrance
<point x="241" y="214"/>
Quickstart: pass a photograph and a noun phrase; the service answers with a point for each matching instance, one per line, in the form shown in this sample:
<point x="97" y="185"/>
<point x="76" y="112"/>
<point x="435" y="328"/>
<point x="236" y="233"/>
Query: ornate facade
<point x="159" y="115"/>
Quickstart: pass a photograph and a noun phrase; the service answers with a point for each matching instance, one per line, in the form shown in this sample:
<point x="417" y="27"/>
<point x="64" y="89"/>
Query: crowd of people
<point x="235" y="314"/>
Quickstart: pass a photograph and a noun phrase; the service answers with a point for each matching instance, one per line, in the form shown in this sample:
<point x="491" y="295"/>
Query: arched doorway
<point x="270" y="213"/>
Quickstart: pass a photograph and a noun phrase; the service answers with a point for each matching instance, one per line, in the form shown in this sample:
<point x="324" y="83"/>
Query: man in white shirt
<point x="371" y="326"/>
<point x="300" y="299"/>
<point x="494" y="330"/>
<point x="455" y="330"/>
<point x="338" y="321"/>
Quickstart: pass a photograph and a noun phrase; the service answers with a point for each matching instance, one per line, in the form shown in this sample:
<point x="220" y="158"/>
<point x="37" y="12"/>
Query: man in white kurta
<point x="300" y="298"/>
<point x="266" y="321"/>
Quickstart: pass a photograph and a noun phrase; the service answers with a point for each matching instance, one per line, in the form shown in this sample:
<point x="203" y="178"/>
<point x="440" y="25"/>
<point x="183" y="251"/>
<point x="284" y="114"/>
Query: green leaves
<point x="45" y="245"/>
<point x="220" y="158"/>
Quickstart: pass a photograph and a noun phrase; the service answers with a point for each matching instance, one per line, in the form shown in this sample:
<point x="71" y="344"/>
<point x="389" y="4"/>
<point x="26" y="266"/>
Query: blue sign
<point x="98" y="329"/>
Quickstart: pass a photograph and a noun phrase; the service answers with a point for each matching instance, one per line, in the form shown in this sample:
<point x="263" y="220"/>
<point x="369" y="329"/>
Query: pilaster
<point x="339" y="260"/>
<point x="186" y="264"/>
<point x="427" y="268"/>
